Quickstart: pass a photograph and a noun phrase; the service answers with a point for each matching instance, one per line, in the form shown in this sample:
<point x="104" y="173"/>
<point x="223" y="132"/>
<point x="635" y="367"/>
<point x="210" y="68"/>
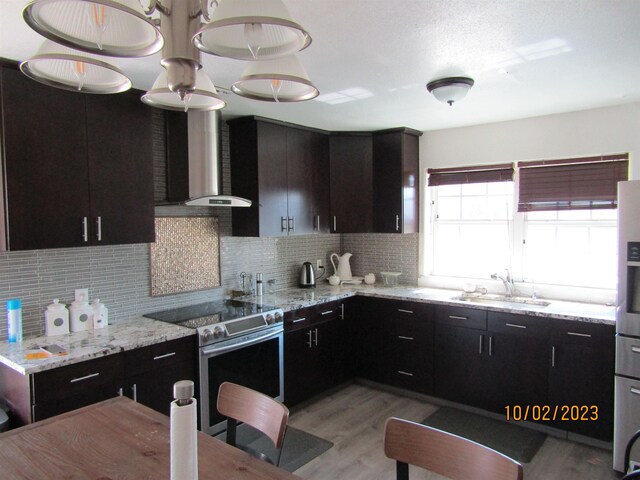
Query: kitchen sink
<point x="500" y="299"/>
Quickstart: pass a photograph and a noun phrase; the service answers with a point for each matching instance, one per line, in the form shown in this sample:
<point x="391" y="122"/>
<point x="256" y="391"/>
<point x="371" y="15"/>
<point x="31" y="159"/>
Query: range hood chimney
<point x="205" y="174"/>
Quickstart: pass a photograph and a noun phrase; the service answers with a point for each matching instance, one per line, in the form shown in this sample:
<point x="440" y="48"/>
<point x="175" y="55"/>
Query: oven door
<point x="254" y="361"/>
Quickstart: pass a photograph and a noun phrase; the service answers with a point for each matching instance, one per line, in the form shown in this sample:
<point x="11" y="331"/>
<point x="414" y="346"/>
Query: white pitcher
<point x="343" y="270"/>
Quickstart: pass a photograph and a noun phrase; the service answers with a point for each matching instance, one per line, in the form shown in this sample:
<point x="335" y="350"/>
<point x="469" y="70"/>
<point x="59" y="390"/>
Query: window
<point x="564" y="231"/>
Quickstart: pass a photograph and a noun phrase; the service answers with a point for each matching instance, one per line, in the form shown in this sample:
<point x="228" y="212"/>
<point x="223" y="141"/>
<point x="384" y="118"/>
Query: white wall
<point x="575" y="134"/>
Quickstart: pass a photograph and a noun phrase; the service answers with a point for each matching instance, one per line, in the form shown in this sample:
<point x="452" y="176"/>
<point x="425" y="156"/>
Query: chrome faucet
<point x="507" y="282"/>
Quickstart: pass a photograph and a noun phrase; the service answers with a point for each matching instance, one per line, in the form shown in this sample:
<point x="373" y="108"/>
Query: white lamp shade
<point x="229" y="32"/>
<point x="205" y="96"/>
<point x="450" y="90"/>
<point x="115" y="28"/>
<point x="280" y="80"/>
<point x="68" y="69"/>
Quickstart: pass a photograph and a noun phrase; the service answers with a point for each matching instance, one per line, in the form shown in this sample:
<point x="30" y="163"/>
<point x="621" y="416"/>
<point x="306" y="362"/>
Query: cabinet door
<point x="300" y="366"/>
<point x="460" y="365"/>
<point x="581" y="374"/>
<point x="45" y="164"/>
<point x="307" y="181"/>
<point x="121" y="169"/>
<point x="351" y="183"/>
<point x="371" y="338"/>
<point x="272" y="179"/>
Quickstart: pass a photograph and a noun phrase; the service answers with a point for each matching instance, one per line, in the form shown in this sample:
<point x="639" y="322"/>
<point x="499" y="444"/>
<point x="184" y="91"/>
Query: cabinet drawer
<point x="627" y="356"/>
<point x="583" y="333"/>
<point x="461" y="317"/>
<point x="159" y="355"/>
<point x="77" y="378"/>
<point x="306" y="317"/>
<point x="513" y="324"/>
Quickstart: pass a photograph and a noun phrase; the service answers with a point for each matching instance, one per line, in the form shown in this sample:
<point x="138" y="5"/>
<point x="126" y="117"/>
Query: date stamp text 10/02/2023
<point x="551" y="413"/>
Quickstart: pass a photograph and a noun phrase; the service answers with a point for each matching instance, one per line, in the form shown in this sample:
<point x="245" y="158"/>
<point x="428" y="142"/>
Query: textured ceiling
<point x="527" y="57"/>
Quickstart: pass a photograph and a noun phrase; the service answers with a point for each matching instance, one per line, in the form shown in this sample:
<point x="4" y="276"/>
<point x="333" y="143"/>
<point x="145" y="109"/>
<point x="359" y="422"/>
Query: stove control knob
<point x="207" y="334"/>
<point x="218" y="332"/>
<point x="278" y="317"/>
<point x="270" y="319"/>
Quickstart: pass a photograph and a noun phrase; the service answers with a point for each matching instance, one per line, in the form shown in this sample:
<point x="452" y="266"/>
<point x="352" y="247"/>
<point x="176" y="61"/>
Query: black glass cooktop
<point x="203" y="314"/>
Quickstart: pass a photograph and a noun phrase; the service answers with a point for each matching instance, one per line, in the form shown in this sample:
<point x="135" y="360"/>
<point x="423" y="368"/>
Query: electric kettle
<point x="307" y="276"/>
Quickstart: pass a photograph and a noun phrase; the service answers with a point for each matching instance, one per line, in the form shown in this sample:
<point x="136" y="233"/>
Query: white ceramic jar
<point x="56" y="319"/>
<point x="81" y="315"/>
<point x="100" y="314"/>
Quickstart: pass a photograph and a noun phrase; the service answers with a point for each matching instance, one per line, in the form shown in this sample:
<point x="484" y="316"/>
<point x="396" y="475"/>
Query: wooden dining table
<point x="117" y="439"/>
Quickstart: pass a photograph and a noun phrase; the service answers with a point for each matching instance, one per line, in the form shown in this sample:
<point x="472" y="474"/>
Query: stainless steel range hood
<point x="205" y="174"/>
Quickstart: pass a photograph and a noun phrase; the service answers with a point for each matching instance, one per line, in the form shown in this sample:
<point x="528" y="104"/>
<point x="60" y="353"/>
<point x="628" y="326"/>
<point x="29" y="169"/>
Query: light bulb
<point x="79" y="71"/>
<point x="98" y="19"/>
<point x="253" y="34"/>
<point x="276" y="86"/>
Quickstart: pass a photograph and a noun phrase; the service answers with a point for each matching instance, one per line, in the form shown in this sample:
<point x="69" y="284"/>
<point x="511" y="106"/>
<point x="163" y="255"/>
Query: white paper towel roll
<point x="184" y="441"/>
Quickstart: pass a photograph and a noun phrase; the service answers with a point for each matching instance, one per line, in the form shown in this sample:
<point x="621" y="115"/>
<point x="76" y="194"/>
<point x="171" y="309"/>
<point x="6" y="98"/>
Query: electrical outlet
<point x="81" y="292"/>
<point x="319" y="264"/>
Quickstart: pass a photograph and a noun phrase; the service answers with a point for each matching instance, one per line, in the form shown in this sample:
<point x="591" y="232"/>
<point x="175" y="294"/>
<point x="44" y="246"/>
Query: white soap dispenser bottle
<point x="100" y="314"/>
<point x="56" y="319"/>
<point x="81" y="315"/>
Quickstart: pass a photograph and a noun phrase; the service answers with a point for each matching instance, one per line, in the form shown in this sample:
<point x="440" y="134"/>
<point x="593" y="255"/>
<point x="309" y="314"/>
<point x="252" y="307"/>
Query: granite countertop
<point x="142" y="331"/>
<point x="115" y="338"/>
<point x="295" y="298"/>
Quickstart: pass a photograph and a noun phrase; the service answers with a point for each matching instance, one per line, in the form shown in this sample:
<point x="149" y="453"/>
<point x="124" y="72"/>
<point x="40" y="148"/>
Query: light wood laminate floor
<point x="353" y="419"/>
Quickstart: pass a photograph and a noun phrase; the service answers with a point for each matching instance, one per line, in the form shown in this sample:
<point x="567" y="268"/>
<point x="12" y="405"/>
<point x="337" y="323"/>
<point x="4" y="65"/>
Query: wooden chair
<point x="242" y="404"/>
<point x="444" y="453"/>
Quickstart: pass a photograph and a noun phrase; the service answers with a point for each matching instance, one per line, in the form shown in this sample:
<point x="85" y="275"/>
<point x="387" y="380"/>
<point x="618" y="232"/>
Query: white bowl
<point x="390" y="279"/>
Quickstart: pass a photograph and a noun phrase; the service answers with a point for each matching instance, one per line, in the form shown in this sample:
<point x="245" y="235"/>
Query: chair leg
<point x="280" y="449"/>
<point x="231" y="431"/>
<point x="402" y="471"/>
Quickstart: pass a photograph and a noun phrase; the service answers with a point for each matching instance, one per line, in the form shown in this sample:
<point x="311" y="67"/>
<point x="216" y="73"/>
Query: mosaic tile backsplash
<point x="119" y="275"/>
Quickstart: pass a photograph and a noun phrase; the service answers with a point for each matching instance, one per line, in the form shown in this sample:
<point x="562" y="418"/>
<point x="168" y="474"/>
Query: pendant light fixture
<point x="252" y="30"/>
<point x="280" y="80"/>
<point x="259" y="31"/>
<point x="68" y="69"/>
<point x="451" y="89"/>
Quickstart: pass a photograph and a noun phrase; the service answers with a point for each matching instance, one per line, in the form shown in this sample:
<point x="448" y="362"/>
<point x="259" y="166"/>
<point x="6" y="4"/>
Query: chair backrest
<point x="254" y="408"/>
<point x="445" y="454"/>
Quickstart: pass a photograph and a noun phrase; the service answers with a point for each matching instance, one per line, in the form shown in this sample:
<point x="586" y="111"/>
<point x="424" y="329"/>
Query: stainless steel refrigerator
<point x="627" y="377"/>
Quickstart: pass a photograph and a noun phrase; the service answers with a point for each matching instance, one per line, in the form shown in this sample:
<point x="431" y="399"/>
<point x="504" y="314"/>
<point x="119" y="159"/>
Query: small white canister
<point x="81" y="315"/>
<point x="100" y="314"/>
<point x="56" y="319"/>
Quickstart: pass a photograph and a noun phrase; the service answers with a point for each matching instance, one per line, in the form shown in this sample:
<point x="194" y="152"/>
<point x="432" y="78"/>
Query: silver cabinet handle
<point x="291" y="224"/>
<point x="553" y="356"/>
<point x="283" y="224"/>
<point x="405" y="311"/>
<point x="397" y="222"/>
<point x="85" y="229"/>
<point x="99" y="228"/>
<point x="456" y="317"/>
<point x="316" y="222"/>
<point x="342" y="311"/>
<point x="515" y="325"/>
<point x="635" y="391"/>
<point x="299" y="320"/>
<point x="402" y="337"/>
<point x="309" y="343"/>
<point x="134" y="391"/>
<point x="86" y="377"/>
<point x="490" y="346"/>
<point x="316" y="340"/>
<point x="405" y="373"/>
<point x="635" y="349"/>
<point x="164" y="356"/>
<point x="335" y="223"/>
<point x="480" y="345"/>
<point x="326" y="312"/>
<point x="579" y="334"/>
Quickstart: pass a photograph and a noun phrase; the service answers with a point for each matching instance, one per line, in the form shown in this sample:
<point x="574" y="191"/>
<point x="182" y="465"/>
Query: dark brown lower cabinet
<point x="146" y="375"/>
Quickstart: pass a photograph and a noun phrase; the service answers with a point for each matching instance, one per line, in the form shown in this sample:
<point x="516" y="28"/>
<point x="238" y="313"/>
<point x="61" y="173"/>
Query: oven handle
<point x="235" y="346"/>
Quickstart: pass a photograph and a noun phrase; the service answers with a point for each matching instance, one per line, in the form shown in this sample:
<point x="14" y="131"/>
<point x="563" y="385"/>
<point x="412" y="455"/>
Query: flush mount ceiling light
<point x="68" y="69"/>
<point x="451" y="89"/>
<point x="280" y="80"/>
<point x="242" y="29"/>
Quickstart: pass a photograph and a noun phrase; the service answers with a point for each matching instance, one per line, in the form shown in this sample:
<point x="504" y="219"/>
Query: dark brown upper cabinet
<point x="284" y="171"/>
<point x="351" y="156"/>
<point x="78" y="169"/>
<point x="395" y="181"/>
